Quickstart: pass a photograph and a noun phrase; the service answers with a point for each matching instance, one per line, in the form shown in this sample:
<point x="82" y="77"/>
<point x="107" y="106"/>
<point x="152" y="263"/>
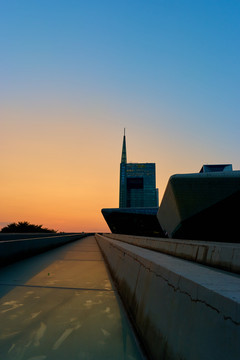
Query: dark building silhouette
<point x="133" y="221"/>
<point x="137" y="183"/>
<point x="138" y="200"/>
<point x="202" y="206"/>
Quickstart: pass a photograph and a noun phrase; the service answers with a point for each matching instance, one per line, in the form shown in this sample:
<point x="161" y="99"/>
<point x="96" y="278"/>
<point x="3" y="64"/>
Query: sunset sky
<point x="74" y="73"/>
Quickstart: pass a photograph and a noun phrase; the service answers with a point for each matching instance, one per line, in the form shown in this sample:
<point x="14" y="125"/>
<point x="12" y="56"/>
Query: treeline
<point x="26" y="227"/>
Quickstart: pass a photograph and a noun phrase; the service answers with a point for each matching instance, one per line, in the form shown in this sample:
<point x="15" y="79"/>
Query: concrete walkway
<point x="62" y="305"/>
<point x="182" y="309"/>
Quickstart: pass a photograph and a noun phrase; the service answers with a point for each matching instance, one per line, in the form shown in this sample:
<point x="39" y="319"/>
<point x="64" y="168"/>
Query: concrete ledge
<point x="18" y="236"/>
<point x="224" y="256"/>
<point x="182" y="310"/>
<point x="14" y="250"/>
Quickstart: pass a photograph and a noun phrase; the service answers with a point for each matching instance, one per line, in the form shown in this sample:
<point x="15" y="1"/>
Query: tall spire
<point x="124" y="151"/>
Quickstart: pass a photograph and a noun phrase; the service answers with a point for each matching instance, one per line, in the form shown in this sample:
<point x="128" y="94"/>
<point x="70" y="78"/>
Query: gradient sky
<point x="74" y="73"/>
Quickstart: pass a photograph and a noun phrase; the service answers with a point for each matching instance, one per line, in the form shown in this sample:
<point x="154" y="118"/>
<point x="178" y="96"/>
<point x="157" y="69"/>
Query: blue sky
<point x="154" y="48"/>
<point x="181" y="54"/>
<point x="166" y="70"/>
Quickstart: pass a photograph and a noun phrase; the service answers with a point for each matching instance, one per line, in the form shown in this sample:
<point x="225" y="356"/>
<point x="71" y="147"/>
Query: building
<point x="133" y="221"/>
<point x="216" y="168"/>
<point x="202" y="206"/>
<point x="137" y="183"/>
<point x="138" y="200"/>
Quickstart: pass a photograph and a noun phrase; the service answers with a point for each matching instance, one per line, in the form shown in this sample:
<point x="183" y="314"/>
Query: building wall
<point x="138" y="185"/>
<point x="123" y="186"/>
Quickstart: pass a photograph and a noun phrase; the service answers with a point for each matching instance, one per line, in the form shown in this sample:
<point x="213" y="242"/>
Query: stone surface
<point x="224" y="256"/>
<point x="20" y="248"/>
<point x="62" y="305"/>
<point x="182" y="310"/>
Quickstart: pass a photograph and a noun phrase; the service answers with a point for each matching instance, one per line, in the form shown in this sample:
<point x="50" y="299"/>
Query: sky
<point x="75" y="73"/>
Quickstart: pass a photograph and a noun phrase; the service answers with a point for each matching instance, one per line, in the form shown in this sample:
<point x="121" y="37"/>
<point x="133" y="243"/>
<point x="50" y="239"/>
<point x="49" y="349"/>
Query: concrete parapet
<point x="182" y="310"/>
<point x="17" y="236"/>
<point x="224" y="256"/>
<point x="14" y="250"/>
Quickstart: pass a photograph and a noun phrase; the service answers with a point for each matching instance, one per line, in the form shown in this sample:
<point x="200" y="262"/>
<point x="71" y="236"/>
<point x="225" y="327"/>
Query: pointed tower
<point x="123" y="185"/>
<point x="124" y="151"/>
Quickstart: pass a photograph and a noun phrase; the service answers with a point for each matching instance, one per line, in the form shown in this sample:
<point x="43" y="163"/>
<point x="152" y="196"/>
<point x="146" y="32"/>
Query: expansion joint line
<point x="56" y="287"/>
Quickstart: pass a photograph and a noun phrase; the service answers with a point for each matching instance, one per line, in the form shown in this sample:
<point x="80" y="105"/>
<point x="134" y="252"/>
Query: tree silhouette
<point x="25" y="227"/>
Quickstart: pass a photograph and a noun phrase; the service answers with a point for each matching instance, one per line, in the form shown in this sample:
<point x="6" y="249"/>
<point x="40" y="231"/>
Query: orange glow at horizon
<point x="57" y="174"/>
<point x="73" y="77"/>
<point x="60" y="168"/>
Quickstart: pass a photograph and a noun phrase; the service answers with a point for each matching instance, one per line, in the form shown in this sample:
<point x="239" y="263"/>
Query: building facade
<point x="137" y="183"/>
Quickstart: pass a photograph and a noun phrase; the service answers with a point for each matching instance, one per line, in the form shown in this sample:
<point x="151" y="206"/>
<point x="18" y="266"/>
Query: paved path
<point x="62" y="305"/>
